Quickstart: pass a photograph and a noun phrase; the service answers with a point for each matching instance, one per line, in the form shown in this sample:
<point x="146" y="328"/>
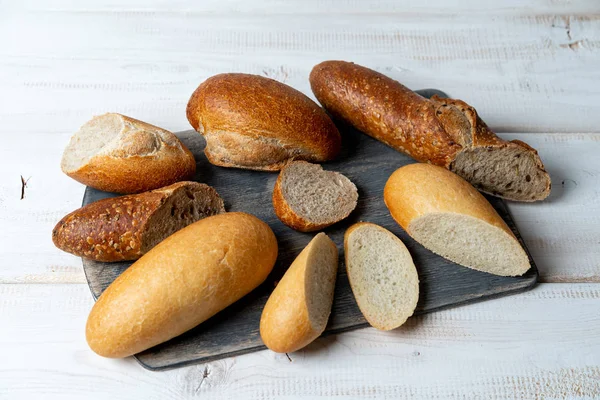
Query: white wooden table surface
<point x="531" y="68"/>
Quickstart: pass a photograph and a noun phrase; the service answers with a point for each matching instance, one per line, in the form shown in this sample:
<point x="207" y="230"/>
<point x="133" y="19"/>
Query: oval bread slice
<point x="450" y="217"/>
<point x="183" y="281"/>
<point x="382" y="275"/>
<point x="308" y="198"/>
<point x="119" y="154"/>
<point x="298" y="309"/>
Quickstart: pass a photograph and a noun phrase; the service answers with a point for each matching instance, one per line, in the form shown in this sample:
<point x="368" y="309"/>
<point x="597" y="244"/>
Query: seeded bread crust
<point x="114" y="229"/>
<point x="435" y="131"/>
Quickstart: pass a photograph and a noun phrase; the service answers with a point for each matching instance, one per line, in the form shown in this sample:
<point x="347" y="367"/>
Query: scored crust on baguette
<point x="254" y="122"/>
<point x="440" y="131"/>
<point x="119" y="154"/>
<point x="298" y="309"/>
<point x="450" y="217"/>
<point x="308" y="198"/>
<point x="183" y="281"/>
<point x="126" y="227"/>
<point x="382" y="275"/>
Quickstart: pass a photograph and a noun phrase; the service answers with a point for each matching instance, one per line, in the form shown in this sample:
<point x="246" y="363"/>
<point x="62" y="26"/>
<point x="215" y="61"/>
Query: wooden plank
<point x="525" y="69"/>
<point x="366" y="162"/>
<point x="340" y="7"/>
<point x="561" y="233"/>
<point x="539" y="344"/>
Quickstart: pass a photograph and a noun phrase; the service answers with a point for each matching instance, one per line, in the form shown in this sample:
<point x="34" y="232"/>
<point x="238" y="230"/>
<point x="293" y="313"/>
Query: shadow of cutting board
<point x="235" y="330"/>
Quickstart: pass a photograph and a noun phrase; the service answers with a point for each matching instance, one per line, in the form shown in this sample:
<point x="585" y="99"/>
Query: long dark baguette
<point x="439" y="131"/>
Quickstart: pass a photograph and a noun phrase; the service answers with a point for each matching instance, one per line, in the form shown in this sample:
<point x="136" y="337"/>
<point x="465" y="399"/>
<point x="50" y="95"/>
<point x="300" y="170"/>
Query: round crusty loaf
<point x="119" y="154"/>
<point x="126" y="227"/>
<point x="382" y="275"/>
<point x="298" y="309"/>
<point x="183" y="281"/>
<point x="308" y="198"/>
<point x="254" y="122"/>
<point x="450" y="217"/>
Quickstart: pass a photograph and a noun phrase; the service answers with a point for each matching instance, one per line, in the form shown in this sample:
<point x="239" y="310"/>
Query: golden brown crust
<point x="107" y="230"/>
<point x="384" y="109"/>
<point x="285" y="324"/>
<point x="146" y="157"/>
<point x="186" y="279"/>
<point x="112" y="229"/>
<point x="254" y="122"/>
<point x="419" y="189"/>
<point x="435" y="131"/>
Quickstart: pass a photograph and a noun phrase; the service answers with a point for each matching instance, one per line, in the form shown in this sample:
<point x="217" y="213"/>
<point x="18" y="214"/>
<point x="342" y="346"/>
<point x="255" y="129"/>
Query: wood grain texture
<point x="526" y="66"/>
<point x="368" y="164"/>
<point x="546" y="347"/>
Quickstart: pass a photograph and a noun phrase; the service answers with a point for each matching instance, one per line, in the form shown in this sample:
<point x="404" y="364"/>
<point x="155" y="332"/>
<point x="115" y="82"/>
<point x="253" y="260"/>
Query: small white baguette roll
<point x="382" y="275"/>
<point x="450" y="217"/>
<point x="183" y="281"/>
<point x="298" y="309"/>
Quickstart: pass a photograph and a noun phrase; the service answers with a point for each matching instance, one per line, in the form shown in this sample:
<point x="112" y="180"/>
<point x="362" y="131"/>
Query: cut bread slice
<point x="118" y="154"/>
<point x="126" y="227"/>
<point x="450" y="217"/>
<point x="382" y="275"/>
<point x="298" y="309"/>
<point x="308" y="198"/>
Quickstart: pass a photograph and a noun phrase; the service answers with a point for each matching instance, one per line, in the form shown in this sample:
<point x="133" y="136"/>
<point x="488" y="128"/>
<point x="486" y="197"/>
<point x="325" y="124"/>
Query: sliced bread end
<point x="513" y="171"/>
<point x="298" y="309"/>
<point x="382" y="275"/>
<point x="126" y="227"/>
<point x="470" y="242"/>
<point x="308" y="198"/>
<point x="184" y="204"/>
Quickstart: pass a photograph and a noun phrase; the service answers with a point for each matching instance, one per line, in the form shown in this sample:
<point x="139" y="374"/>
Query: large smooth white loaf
<point x="450" y="217"/>
<point x="183" y="281"/>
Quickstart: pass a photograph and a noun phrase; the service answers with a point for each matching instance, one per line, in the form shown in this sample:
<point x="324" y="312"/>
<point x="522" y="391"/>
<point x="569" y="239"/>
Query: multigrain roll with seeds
<point x="125" y="228"/>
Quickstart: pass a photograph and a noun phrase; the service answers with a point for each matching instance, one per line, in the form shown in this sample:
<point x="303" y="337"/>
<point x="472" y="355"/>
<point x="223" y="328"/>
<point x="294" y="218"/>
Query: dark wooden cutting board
<point x="235" y="330"/>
